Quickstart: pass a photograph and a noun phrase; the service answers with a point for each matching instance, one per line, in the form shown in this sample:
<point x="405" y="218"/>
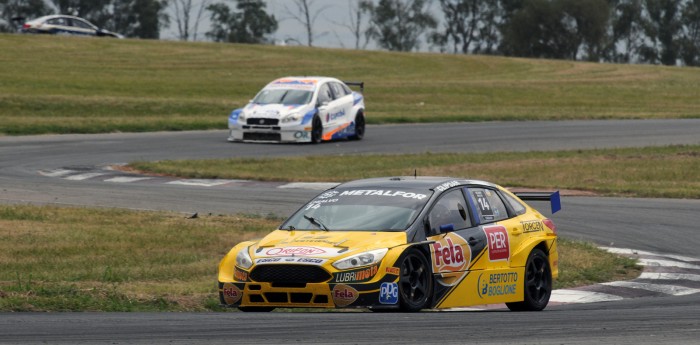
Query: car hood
<point x="324" y="244"/>
<point x="272" y="111"/>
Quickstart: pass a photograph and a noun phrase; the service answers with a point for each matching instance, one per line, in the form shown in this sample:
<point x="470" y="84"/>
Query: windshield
<point x="283" y="96"/>
<point x="360" y="209"/>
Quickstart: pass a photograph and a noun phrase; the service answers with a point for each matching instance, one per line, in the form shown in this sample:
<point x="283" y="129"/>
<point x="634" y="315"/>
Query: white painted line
<point x="662" y="288"/>
<point x="670" y="276"/>
<point x="577" y="296"/>
<point x="310" y="185"/>
<point x="81" y="177"/>
<point x="666" y="263"/>
<point x="125" y="179"/>
<point x="626" y="251"/>
<point x="202" y="182"/>
<point x="57" y="172"/>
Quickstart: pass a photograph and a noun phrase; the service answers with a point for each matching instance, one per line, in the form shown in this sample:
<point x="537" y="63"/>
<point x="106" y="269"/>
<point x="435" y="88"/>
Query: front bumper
<point x="291" y="134"/>
<point x="312" y="295"/>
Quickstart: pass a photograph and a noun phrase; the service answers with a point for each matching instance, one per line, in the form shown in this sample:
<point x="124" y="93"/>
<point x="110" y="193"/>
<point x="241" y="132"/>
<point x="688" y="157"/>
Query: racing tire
<point x="537" y="285"/>
<point x="256" y="309"/>
<point x="316" y="130"/>
<point x="359" y="127"/>
<point x="415" y="282"/>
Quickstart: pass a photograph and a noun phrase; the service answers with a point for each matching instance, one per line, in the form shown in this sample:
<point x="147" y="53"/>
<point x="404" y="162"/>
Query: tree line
<point x="627" y="31"/>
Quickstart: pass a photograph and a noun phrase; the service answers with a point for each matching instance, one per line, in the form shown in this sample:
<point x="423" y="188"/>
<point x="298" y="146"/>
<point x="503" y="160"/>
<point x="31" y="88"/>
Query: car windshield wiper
<point x="316" y="221"/>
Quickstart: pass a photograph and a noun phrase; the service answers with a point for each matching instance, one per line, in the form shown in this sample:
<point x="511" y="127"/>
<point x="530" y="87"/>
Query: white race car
<point x="301" y="109"/>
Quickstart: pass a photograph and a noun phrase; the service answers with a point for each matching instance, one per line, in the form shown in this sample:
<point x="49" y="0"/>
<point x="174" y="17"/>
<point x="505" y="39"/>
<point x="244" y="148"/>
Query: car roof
<point x="315" y="79"/>
<point x="52" y="16"/>
<point x="413" y="182"/>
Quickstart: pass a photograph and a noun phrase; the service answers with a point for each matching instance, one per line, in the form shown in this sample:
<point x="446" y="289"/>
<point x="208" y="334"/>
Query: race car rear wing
<point x="361" y="84"/>
<point x="553" y="198"/>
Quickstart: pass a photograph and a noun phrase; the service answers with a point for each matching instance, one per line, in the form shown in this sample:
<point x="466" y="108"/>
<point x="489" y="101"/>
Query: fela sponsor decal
<point x="232" y="293"/>
<point x="450" y="257"/>
<point x="497" y="284"/>
<point x="498" y="241"/>
<point x="532" y="226"/>
<point x="240" y="275"/>
<point x="356" y="276"/>
<point x="292" y="251"/>
<point x="344" y="295"/>
<point x="389" y="293"/>
<point x="449" y="254"/>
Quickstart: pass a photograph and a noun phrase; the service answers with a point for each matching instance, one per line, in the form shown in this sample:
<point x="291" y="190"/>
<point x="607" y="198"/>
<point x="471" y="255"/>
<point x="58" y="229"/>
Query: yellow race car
<point x="400" y="243"/>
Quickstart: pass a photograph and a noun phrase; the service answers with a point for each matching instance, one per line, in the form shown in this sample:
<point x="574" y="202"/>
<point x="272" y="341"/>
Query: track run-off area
<point x="661" y="306"/>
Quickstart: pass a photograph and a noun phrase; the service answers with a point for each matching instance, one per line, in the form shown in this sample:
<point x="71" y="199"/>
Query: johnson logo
<point x="499" y="243"/>
<point x="292" y="251"/>
<point x="448" y="255"/>
<point x="344" y="295"/>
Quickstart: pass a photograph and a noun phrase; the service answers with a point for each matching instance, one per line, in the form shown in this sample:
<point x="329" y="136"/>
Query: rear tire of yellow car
<point x="537" y="285"/>
<point x="316" y="130"/>
<point x="415" y="282"/>
<point x="256" y="309"/>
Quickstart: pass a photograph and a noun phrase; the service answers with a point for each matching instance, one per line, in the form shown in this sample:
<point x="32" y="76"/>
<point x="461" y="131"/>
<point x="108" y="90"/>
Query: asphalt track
<point x="668" y="226"/>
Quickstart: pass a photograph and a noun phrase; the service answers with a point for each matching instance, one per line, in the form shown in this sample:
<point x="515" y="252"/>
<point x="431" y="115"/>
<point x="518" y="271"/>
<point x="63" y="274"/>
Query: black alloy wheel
<point x="415" y="283"/>
<point x="538" y="283"/>
<point x="316" y="130"/>
<point x="359" y="127"/>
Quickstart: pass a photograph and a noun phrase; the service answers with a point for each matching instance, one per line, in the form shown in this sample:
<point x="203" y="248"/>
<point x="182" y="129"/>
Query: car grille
<point x="262" y="136"/>
<point x="256" y="121"/>
<point x="289" y="274"/>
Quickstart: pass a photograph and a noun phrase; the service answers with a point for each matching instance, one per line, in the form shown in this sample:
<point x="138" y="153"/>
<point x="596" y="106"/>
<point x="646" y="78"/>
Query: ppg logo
<point x="389" y="293"/>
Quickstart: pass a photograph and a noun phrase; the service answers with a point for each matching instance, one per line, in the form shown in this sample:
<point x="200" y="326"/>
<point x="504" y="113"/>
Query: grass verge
<point x="85" y="259"/>
<point x="51" y="84"/>
<point x="669" y="172"/>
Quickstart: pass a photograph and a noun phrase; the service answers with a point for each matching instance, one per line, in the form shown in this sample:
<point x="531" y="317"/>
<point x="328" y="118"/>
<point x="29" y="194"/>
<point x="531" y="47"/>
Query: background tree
<point x="13" y="13"/>
<point x="538" y="30"/>
<point x="588" y="22"/>
<point x="469" y="25"/>
<point x="187" y="17"/>
<point x="662" y="27"/>
<point x="627" y="32"/>
<point x="306" y="15"/>
<point x="690" y="41"/>
<point x="96" y="11"/>
<point x="139" y="18"/>
<point x="397" y="25"/>
<point x="249" y="25"/>
<point x="355" y="13"/>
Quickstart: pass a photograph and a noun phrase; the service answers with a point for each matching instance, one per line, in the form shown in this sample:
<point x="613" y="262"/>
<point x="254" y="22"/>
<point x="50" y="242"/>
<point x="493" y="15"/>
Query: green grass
<point x="670" y="172"/>
<point x="87" y="259"/>
<point x="52" y="84"/>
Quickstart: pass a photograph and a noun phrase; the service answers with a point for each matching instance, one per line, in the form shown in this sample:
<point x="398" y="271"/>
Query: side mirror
<point x="447" y="227"/>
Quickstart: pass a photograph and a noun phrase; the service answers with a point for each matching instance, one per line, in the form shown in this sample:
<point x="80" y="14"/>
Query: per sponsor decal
<point x="498" y="242"/>
<point x="232" y="293"/>
<point x="344" y="295"/>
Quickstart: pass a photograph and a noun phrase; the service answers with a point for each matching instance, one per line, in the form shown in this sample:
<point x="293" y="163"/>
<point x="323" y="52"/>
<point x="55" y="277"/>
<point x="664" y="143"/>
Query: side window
<point x="324" y="94"/>
<point x="516" y="205"/>
<point x="57" y="21"/>
<point x="451" y="209"/>
<point x="338" y="90"/>
<point x="81" y="24"/>
<point x="488" y="204"/>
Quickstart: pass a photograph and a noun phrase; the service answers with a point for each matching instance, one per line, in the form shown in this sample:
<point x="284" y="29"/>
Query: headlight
<point x="241" y="117"/>
<point x="362" y="259"/>
<point x="243" y="259"/>
<point x="291" y="118"/>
